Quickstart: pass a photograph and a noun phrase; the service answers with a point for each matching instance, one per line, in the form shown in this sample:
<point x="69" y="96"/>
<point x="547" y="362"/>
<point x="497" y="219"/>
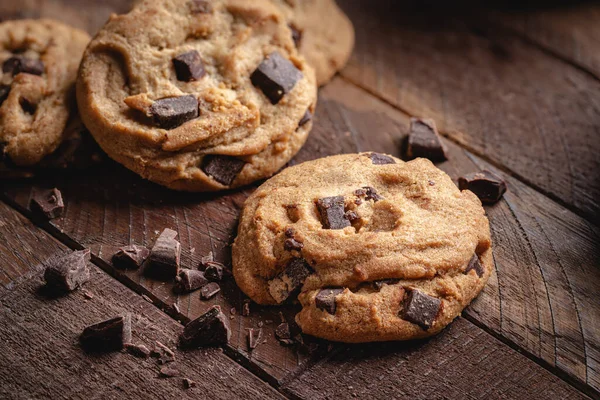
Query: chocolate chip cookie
<point x="322" y="32"/>
<point x="198" y="95"/>
<point x="39" y="61"/>
<point x="374" y="248"/>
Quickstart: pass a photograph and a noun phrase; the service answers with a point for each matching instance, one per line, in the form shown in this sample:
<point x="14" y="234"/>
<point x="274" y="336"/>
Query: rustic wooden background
<point x="513" y="90"/>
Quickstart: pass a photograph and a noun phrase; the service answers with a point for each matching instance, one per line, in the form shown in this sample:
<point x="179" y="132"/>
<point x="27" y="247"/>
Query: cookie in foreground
<point x="374" y="248"/>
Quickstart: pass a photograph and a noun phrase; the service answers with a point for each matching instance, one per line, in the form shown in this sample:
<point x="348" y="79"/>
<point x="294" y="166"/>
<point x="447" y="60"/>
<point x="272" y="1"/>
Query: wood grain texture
<point x="460" y="363"/>
<point x="493" y="93"/>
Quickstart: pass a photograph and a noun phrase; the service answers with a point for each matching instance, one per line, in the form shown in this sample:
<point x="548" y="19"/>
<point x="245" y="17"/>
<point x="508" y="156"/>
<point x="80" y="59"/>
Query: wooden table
<point x="514" y="91"/>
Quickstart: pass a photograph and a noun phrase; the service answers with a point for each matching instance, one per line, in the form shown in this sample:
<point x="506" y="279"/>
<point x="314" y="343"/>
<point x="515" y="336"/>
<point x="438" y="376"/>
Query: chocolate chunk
<point x="246" y="308"/>
<point x="424" y="140"/>
<point x="305" y="118"/>
<point x="163" y="353"/>
<point x="138" y="350"/>
<point x="381" y="159"/>
<point x="379" y="284"/>
<point x="106" y="336"/>
<point x="48" y="203"/>
<point x="420" y="308"/>
<point x="69" y="272"/>
<point x="296" y="35"/>
<point x="290" y="279"/>
<point x="276" y="77"/>
<point x="163" y="262"/>
<point x="206" y="259"/>
<point x="254" y="337"/>
<point x="292" y="244"/>
<point x="19" y="64"/>
<point x="209" y="329"/>
<point x="475" y="264"/>
<point x="215" y="271"/>
<point x="331" y="211"/>
<point x="169" y="372"/>
<point x="4" y="92"/>
<point x="371" y="194"/>
<point x="188" y="383"/>
<point x="282" y="332"/>
<point x="171" y="112"/>
<point x="200" y="6"/>
<point x="190" y="280"/>
<point x="325" y="299"/>
<point x="488" y="186"/>
<point x="222" y="169"/>
<point x="130" y="257"/>
<point x="189" y="66"/>
<point x="290" y="232"/>
<point x="351" y="216"/>
<point x="209" y="291"/>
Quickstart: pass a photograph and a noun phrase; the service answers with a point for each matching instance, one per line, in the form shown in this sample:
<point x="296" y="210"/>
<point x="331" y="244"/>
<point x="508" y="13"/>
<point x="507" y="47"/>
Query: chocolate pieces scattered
<point x="19" y="64"/>
<point x="209" y="329"/>
<point x="424" y="140"/>
<point x="209" y="291"/>
<point x="289" y="280"/>
<point x="111" y="335"/>
<point x="215" y="271"/>
<point x="276" y="77"/>
<point x="325" y="299"/>
<point x="189" y="66"/>
<point x="254" y="337"/>
<point x="332" y="213"/>
<point x="189" y="280"/>
<point x="130" y="257"/>
<point x="171" y="112"/>
<point x="169" y="372"/>
<point x="188" y="383"/>
<point x="48" y="203"/>
<point x="246" y="308"/>
<point x="488" y="186"/>
<point x="475" y="265"/>
<point x="420" y="308"/>
<point x="138" y="350"/>
<point x="369" y="193"/>
<point x="163" y="262"/>
<point x="222" y="169"/>
<point x="282" y="332"/>
<point x="69" y="272"/>
<point x="381" y="159"/>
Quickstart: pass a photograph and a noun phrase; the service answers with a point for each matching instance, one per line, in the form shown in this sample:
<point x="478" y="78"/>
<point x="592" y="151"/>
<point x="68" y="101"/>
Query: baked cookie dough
<point x="378" y="249"/>
<point x="39" y="61"/>
<point x="198" y="95"/>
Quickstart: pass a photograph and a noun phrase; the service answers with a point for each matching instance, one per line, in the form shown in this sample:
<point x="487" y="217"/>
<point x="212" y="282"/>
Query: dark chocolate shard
<point x="189" y="66"/>
<point x="190" y="280"/>
<point x="381" y="159"/>
<point x="292" y="244"/>
<point x="48" y="203"/>
<point x="163" y="353"/>
<point x="305" y="118"/>
<point x="130" y="257"/>
<point x="69" y="272"/>
<point x="380" y="283"/>
<point x="420" y="308"/>
<point x="206" y="259"/>
<point x="325" y="299"/>
<point x="296" y="35"/>
<point x="20" y="64"/>
<point x="4" y="92"/>
<point x="223" y="169"/>
<point x="371" y="194"/>
<point x="169" y="372"/>
<point x="200" y="6"/>
<point x="171" y="112"/>
<point x="215" y="271"/>
<point x="424" y="140"/>
<point x="331" y="210"/>
<point x="254" y="338"/>
<point x="163" y="262"/>
<point x="110" y="335"/>
<point x="138" y="350"/>
<point x="209" y="291"/>
<point x="209" y="329"/>
<point x="289" y="280"/>
<point x="246" y="308"/>
<point x="282" y="331"/>
<point x="351" y="216"/>
<point x="276" y="77"/>
<point x="486" y="185"/>
<point x="188" y="383"/>
<point x="475" y="265"/>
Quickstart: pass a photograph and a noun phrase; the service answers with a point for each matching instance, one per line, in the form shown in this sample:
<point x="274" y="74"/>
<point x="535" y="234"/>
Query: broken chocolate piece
<point x="163" y="262"/>
<point x="189" y="66"/>
<point x="209" y="329"/>
<point x="292" y="244"/>
<point x="381" y="159"/>
<point x="188" y="383"/>
<point x="106" y="336"/>
<point x="206" y="259"/>
<point x="200" y="6"/>
<point x="209" y="291"/>
<point x="130" y="257"/>
<point x="169" y="372"/>
<point x="4" y="91"/>
<point x="282" y="332"/>
<point x="69" y="272"/>
<point x="19" y="64"/>
<point x="276" y="77"/>
<point x="475" y="264"/>
<point x="331" y="211"/>
<point x="351" y="216"/>
<point x="171" y="112"/>
<point x="138" y="350"/>
<point x="371" y="194"/>
<point x="325" y="299"/>
<point x="296" y="35"/>
<point x="222" y="169"/>
<point x="379" y="284"/>
<point x="488" y="186"/>
<point x="424" y="140"/>
<point x="246" y="308"/>
<point x="254" y="337"/>
<point x="305" y="118"/>
<point x="290" y="279"/>
<point x="48" y="203"/>
<point x="289" y="232"/>
<point x="163" y="353"/>
<point x="190" y="280"/>
<point x="214" y="271"/>
<point x="420" y="308"/>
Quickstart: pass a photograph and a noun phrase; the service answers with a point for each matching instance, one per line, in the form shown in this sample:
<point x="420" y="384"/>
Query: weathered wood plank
<point x="490" y="91"/>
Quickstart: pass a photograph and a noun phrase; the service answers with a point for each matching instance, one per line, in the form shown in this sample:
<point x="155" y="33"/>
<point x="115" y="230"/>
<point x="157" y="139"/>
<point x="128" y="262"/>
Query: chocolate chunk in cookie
<point x="222" y="169"/>
<point x="292" y="244"/>
<point x="289" y="280"/>
<point x="209" y="291"/>
<point x="130" y="257"/>
<point x="296" y="35"/>
<point x="475" y="265"/>
<point x="487" y="186"/>
<point x="163" y="262"/>
<point x="171" y="112"/>
<point x="48" y="203"/>
<point x="4" y="92"/>
<point x="20" y="64"/>
<point x="420" y="308"/>
<point x="332" y="213"/>
<point x="305" y="118"/>
<point x="325" y="299"/>
<point x="189" y="66"/>
<point x="379" y="284"/>
<point x="276" y="77"/>
<point x="381" y="159"/>
<point x="67" y="273"/>
<point x="424" y="140"/>
<point x="369" y="193"/>
<point x="189" y="280"/>
<point x="111" y="335"/>
<point x="209" y="329"/>
<point x="200" y="6"/>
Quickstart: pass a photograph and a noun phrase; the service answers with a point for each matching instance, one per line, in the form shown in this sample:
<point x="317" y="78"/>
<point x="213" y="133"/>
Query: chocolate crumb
<point x="209" y="291"/>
